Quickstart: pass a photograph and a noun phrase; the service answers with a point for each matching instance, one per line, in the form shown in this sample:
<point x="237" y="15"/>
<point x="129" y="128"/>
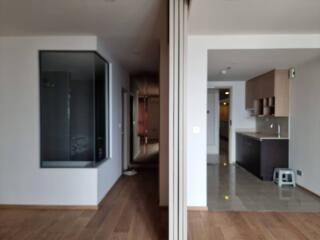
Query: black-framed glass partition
<point x="74" y="109"/>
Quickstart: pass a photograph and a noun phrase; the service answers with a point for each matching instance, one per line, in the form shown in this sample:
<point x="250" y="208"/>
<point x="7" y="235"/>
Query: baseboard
<point x="197" y="208"/>
<point x="49" y="207"/>
<point x="309" y="191"/>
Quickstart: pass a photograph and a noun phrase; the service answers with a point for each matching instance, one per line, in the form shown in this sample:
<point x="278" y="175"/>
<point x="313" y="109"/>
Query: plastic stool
<point x="284" y="176"/>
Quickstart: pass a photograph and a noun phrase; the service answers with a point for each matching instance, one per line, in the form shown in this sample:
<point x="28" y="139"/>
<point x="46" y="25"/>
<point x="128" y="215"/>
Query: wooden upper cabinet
<point x="271" y="84"/>
<point x="281" y="93"/>
<point x="250" y="94"/>
<point x="266" y="83"/>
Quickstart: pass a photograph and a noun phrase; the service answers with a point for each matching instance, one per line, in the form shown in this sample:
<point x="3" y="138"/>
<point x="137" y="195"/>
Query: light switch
<point x="196" y="129"/>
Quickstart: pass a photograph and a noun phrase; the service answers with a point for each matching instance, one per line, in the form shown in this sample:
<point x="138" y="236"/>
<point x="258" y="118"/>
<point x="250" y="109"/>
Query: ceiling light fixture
<point x="227" y="93"/>
<point x="225" y="71"/>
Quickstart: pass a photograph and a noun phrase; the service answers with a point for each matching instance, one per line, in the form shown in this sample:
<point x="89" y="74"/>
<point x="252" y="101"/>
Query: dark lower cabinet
<point x="261" y="157"/>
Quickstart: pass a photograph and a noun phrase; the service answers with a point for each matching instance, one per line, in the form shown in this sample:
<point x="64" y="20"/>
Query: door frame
<point x="178" y="12"/>
<point x="230" y="88"/>
<point x="131" y="131"/>
<point x="125" y="135"/>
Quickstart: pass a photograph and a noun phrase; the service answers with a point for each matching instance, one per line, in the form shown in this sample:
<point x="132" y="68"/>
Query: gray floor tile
<point x="231" y="188"/>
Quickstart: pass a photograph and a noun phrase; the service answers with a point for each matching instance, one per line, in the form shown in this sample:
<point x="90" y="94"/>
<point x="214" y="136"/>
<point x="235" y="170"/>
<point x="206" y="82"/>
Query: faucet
<point x="278" y="129"/>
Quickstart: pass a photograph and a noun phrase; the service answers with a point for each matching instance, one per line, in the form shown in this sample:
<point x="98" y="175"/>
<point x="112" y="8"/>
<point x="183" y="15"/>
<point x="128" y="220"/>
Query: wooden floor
<point x="149" y="154"/>
<point x="130" y="211"/>
<point x="253" y="226"/>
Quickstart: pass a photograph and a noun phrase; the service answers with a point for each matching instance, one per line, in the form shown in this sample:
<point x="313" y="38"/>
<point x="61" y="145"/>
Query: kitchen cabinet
<point x="261" y="157"/>
<point x="250" y="94"/>
<point x="273" y="84"/>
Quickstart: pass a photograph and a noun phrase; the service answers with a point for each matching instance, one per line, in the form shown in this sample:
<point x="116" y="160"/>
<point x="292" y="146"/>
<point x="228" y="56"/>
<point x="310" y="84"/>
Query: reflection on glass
<point x="73" y="87"/>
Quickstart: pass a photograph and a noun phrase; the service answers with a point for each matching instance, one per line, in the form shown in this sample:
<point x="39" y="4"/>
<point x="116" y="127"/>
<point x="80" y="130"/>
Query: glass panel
<point x="100" y="108"/>
<point x="82" y="108"/>
<point x="55" y="145"/>
<point x="73" y="109"/>
<point x="107" y="108"/>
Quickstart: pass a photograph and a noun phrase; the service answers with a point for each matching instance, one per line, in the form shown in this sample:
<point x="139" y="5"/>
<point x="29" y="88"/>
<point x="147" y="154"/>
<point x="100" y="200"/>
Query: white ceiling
<point x="254" y="16"/>
<point x="246" y="64"/>
<point x="129" y="27"/>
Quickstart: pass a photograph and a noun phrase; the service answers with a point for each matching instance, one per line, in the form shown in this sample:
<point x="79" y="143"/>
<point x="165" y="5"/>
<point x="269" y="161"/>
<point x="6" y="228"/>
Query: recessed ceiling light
<point x="225" y="71"/>
<point x="226" y="93"/>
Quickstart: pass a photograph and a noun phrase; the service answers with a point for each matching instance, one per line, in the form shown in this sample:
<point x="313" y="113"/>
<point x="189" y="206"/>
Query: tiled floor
<point x="231" y="188"/>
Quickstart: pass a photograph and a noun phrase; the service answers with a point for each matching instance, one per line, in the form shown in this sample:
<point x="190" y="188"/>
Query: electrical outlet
<point x="299" y="172"/>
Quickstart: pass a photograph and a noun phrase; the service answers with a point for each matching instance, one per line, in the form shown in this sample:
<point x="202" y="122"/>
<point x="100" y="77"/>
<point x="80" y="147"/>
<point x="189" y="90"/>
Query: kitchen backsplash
<point x="263" y="124"/>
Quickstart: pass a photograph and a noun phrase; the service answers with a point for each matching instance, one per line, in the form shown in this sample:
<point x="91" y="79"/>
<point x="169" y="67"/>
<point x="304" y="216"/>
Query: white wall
<point x="196" y="95"/>
<point x="22" y="181"/>
<point x="111" y="170"/>
<point x="213" y="121"/>
<point x="305" y="125"/>
<point x="196" y="104"/>
<point x="241" y="119"/>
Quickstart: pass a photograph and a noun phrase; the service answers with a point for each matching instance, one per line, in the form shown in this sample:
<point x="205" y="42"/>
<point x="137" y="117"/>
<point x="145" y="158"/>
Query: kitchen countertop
<point x="264" y="136"/>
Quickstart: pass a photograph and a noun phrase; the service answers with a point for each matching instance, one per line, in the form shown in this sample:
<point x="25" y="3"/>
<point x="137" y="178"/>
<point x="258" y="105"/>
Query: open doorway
<point x="144" y="121"/>
<point x="224" y="124"/>
<point x="256" y="173"/>
<point x="219" y="122"/>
